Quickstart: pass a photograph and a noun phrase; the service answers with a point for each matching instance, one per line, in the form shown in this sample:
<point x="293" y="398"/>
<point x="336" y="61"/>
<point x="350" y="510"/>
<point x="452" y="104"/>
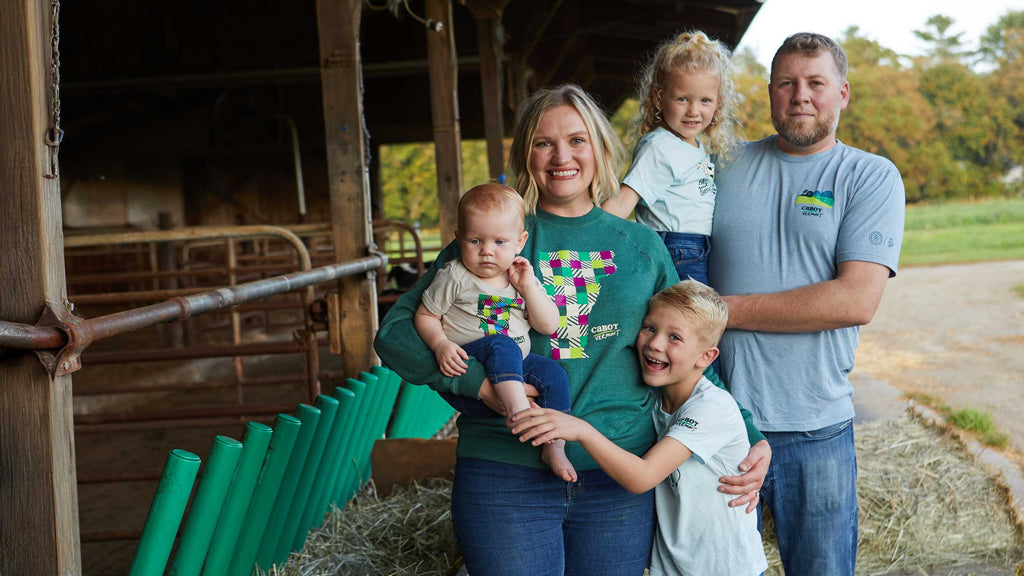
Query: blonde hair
<point x="490" y="198"/>
<point x="608" y="152"/>
<point x="692" y="52"/>
<point x="698" y="303"/>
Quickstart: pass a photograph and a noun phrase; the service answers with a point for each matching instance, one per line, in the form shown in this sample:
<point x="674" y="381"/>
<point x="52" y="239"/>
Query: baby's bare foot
<point x="553" y="454"/>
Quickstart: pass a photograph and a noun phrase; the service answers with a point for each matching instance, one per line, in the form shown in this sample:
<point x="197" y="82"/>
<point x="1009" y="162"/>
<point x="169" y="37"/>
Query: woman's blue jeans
<point x="503" y="360"/>
<point x="811" y="491"/>
<point x="515" y="520"/>
<point x="689" y="253"/>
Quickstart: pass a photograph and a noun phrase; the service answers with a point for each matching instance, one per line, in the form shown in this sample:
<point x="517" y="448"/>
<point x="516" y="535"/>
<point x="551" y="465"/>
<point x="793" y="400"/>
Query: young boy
<point x="701" y="438"/>
<point x="484" y="305"/>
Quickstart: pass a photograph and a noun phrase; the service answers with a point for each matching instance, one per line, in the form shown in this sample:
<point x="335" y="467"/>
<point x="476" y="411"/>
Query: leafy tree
<point x="888" y="116"/>
<point x="1003" y="46"/>
<point x="1001" y="41"/>
<point x="409" y="178"/>
<point x="752" y="83"/>
<point x="945" y="47"/>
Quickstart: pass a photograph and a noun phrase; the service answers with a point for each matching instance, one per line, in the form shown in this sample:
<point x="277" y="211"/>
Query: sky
<point x="889" y="22"/>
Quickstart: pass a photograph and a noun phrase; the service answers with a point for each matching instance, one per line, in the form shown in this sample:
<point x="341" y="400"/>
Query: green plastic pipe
<point x="214" y="482"/>
<point x="358" y="390"/>
<point x="405" y="413"/>
<point x="366" y="432"/>
<point x="279" y="511"/>
<point x="310" y="417"/>
<point x="293" y="532"/>
<point x="165" y="514"/>
<point x="236" y="504"/>
<point x="345" y="399"/>
<point x="353" y="463"/>
<point x="390" y="383"/>
<point x="286" y="430"/>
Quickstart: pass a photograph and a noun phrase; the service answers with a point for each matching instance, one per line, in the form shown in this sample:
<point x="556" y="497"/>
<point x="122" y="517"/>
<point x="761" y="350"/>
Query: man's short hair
<point x="811" y="44"/>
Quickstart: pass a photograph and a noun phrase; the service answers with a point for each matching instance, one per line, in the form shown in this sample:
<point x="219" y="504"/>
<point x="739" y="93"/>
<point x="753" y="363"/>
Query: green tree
<point x="1003" y="46"/>
<point x="409" y="178"/>
<point x="965" y="110"/>
<point x="888" y="116"/>
<point x="751" y="82"/>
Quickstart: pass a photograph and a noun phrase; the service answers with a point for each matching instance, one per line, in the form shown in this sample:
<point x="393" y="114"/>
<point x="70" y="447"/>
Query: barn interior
<point x="218" y="117"/>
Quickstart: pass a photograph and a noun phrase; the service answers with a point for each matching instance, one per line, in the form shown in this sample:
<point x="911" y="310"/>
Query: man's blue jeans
<point x="503" y="360"/>
<point x="515" y="520"/>
<point x="689" y="253"/>
<point x="811" y="491"/>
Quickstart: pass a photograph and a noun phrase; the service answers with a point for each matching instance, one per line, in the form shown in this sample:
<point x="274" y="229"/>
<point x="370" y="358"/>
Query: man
<point x="806" y="232"/>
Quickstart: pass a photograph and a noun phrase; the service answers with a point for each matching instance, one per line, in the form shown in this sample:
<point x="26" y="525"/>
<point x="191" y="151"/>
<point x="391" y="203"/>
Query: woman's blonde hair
<point x="608" y="152"/>
<point x="692" y="52"/>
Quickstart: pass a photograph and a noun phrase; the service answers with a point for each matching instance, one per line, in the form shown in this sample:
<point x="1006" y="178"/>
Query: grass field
<point x="963" y="232"/>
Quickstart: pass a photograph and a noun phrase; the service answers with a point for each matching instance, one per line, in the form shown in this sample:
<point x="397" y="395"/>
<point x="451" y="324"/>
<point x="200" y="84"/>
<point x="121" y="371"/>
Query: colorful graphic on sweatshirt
<point x="573" y="279"/>
<point x="494" y="312"/>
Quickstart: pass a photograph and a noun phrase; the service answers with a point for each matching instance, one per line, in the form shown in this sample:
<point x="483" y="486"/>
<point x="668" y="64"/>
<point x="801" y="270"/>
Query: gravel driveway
<point x="955" y="332"/>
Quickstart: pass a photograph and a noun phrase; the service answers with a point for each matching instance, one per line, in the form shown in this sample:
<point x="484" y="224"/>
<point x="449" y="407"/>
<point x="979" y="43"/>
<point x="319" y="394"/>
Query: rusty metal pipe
<point x="86" y="331"/>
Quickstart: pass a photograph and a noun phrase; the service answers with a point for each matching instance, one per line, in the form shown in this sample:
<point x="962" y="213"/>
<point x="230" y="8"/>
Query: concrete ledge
<point x="1008" y="475"/>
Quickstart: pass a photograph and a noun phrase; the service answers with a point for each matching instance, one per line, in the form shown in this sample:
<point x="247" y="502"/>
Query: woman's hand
<point x="747" y="485"/>
<point x="490" y="397"/>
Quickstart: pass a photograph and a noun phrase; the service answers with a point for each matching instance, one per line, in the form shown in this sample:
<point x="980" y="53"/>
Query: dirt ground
<point x="955" y="332"/>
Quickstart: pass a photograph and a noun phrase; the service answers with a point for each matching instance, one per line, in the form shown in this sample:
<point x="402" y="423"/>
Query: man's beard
<point x="794" y="132"/>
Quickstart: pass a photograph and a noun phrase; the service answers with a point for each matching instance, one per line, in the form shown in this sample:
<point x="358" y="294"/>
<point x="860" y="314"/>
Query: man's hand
<point x="747" y="484"/>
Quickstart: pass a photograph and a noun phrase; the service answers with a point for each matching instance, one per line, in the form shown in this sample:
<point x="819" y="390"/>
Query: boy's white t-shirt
<point x="697" y="532"/>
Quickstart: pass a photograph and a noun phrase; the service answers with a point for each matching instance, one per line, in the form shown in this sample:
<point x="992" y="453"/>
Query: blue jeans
<point x="503" y="360"/>
<point x="811" y="491"/>
<point x="514" y="520"/>
<point x="689" y="253"/>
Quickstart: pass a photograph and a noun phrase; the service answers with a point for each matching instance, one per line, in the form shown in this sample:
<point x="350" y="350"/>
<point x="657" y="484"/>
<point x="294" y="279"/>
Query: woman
<point x="512" y="515"/>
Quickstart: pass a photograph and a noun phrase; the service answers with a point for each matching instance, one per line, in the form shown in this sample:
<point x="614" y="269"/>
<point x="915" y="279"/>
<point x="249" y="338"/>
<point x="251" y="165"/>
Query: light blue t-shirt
<point x="783" y="222"/>
<point x="675" y="182"/>
<point x="698" y="532"/>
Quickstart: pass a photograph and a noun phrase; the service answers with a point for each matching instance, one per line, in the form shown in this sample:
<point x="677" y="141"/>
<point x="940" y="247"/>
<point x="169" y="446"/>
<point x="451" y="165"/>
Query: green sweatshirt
<point x="600" y="270"/>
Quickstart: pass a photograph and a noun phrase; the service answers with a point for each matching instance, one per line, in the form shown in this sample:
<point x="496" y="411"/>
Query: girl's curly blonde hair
<point x="692" y="52"/>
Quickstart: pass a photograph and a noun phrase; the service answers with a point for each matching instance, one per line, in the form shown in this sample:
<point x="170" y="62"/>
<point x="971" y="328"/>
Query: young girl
<point x="687" y="111"/>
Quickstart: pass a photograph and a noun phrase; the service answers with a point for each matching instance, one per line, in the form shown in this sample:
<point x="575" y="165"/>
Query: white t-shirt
<point x="698" y="533"/>
<point x="675" y="182"/>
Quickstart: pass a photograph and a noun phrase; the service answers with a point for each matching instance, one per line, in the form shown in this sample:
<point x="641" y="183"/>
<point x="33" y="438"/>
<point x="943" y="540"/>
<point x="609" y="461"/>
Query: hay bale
<point x="925" y="507"/>
<point x="924" y="504"/>
<point x="409" y="533"/>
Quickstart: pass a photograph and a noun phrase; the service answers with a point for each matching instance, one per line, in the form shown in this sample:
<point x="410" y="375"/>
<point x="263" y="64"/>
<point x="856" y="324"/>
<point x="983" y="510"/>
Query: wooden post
<point x="492" y="47"/>
<point x="444" y="111"/>
<point x="341" y="79"/>
<point x="38" y="492"/>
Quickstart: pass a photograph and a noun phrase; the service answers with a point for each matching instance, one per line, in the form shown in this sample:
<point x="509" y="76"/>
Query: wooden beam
<point x="444" y="111"/>
<point x="347" y="174"/>
<point x="490" y="38"/>
<point x="38" y="492"/>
